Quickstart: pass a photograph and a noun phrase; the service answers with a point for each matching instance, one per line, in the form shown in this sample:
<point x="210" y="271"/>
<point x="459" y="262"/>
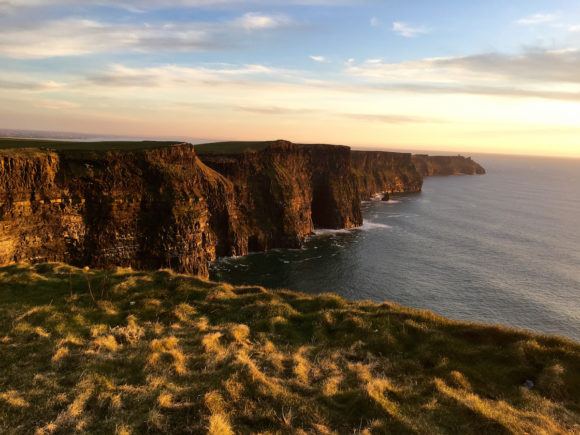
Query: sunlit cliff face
<point x="486" y="78"/>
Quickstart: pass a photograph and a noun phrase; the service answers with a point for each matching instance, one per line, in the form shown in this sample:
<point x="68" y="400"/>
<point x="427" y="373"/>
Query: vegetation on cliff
<point x="133" y="352"/>
<point x="10" y="143"/>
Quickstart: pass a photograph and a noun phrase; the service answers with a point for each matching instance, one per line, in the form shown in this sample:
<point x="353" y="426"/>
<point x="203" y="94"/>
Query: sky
<point x="497" y="76"/>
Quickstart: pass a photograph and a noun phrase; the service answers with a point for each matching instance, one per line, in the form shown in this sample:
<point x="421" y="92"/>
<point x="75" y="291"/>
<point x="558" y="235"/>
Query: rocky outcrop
<point x="380" y="172"/>
<point x="147" y="209"/>
<point x="446" y="165"/>
<point x="287" y="190"/>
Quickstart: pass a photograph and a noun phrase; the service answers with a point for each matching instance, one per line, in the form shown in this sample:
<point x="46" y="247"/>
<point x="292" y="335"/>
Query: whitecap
<point x="323" y="232"/>
<point x="374" y="226"/>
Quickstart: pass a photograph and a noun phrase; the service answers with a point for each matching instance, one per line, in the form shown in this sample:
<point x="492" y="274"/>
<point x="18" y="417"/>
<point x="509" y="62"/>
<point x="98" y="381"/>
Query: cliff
<point x="130" y="352"/>
<point x="148" y="209"/>
<point x="446" y="165"/>
<point x="385" y="172"/>
<point x="163" y="207"/>
<point x="287" y="190"/>
<point x="167" y="206"/>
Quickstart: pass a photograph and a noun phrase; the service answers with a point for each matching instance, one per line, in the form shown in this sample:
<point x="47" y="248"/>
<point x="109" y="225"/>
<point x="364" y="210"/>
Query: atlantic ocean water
<point x="499" y="248"/>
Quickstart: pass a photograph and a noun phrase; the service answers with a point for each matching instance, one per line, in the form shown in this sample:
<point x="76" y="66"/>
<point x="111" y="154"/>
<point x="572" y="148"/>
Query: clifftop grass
<point x="16" y="143"/>
<point x="132" y="352"/>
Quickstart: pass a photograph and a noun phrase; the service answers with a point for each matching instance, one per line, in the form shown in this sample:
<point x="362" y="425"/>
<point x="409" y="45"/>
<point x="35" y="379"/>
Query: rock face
<point x="169" y="207"/>
<point x="146" y="209"/>
<point x="446" y="165"/>
<point x="287" y="190"/>
<point x="379" y="172"/>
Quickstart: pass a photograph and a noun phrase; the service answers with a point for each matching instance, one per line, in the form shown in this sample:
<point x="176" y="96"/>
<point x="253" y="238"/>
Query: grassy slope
<point x="130" y="352"/>
<point x="231" y="147"/>
<point x="6" y="143"/>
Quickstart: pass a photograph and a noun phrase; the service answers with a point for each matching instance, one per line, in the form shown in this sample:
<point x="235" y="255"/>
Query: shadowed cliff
<point x="446" y="165"/>
<point x="148" y="206"/>
<point x="385" y="172"/>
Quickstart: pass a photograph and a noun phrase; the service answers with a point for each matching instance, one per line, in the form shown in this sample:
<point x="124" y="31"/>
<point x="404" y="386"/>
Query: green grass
<point x="120" y="351"/>
<point x="231" y="147"/>
<point x="9" y="143"/>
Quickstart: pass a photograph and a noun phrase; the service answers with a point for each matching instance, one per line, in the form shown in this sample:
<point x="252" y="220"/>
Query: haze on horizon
<point x="482" y="76"/>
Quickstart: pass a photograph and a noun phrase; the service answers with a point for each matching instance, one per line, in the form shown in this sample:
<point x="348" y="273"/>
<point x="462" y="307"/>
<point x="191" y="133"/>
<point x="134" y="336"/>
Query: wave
<point x="373" y="226"/>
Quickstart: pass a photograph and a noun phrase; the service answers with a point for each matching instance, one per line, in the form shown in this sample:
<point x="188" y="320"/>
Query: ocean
<point x="500" y="248"/>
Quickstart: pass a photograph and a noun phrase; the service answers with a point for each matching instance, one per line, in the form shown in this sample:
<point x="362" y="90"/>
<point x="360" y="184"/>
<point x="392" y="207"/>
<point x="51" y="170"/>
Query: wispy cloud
<point x="407" y="30"/>
<point x="73" y="36"/>
<point x="319" y="59"/>
<point x="537" y="65"/>
<point x="179" y="76"/>
<point x="375" y="22"/>
<point x="390" y="118"/>
<point x="259" y="21"/>
<point x="144" y="5"/>
<point x="540" y="18"/>
<point x="547" y="74"/>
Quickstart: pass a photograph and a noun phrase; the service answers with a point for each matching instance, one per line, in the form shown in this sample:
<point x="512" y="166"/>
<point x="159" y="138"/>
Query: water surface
<point x="501" y="248"/>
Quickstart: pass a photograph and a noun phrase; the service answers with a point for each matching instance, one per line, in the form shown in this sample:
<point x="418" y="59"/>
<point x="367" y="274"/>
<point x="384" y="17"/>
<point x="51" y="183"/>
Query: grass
<point x="124" y="352"/>
<point x="10" y="143"/>
<point x="231" y="147"/>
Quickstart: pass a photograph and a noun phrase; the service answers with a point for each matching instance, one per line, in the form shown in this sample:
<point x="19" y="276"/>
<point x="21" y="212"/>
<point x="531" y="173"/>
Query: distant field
<point x="6" y="143"/>
<point x="231" y="147"/>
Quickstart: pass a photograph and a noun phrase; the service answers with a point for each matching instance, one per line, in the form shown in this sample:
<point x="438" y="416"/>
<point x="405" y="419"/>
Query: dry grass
<point x="164" y="353"/>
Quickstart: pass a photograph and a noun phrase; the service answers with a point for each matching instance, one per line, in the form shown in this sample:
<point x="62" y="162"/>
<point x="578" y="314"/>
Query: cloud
<point x="319" y="59"/>
<point x="258" y="21"/>
<point x="7" y="6"/>
<point x="179" y="76"/>
<point x="574" y="28"/>
<point x="532" y="20"/>
<point x="389" y="119"/>
<point x="536" y="65"/>
<point x="375" y="22"/>
<point x="28" y="85"/>
<point x="547" y="74"/>
<point x="407" y="30"/>
<point x="73" y="36"/>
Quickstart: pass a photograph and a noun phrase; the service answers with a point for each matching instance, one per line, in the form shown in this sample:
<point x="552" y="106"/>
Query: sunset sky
<point x="471" y="76"/>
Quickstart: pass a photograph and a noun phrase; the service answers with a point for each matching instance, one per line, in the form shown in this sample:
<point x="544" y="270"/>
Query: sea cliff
<point x="429" y="166"/>
<point x="151" y="208"/>
<point x="182" y="207"/>
<point x="385" y="172"/>
<point x="287" y="190"/>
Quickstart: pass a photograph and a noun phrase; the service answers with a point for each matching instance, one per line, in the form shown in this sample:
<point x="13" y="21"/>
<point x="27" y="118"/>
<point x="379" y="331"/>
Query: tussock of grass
<point x="161" y="352"/>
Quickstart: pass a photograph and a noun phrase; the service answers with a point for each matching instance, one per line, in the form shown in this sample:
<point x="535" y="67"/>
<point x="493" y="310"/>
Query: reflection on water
<point x="499" y="248"/>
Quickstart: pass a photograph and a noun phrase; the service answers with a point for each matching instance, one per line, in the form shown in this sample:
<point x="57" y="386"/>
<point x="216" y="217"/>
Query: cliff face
<point x="446" y="165"/>
<point x="380" y="172"/>
<point x="286" y="190"/>
<point x="146" y="209"/>
<point x="167" y="207"/>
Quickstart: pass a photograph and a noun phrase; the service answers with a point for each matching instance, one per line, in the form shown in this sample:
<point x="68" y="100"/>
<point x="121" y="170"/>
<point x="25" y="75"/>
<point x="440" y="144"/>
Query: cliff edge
<point x="429" y="166"/>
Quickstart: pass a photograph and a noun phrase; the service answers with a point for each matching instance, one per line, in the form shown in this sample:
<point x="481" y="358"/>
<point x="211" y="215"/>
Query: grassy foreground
<point x="132" y="352"/>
